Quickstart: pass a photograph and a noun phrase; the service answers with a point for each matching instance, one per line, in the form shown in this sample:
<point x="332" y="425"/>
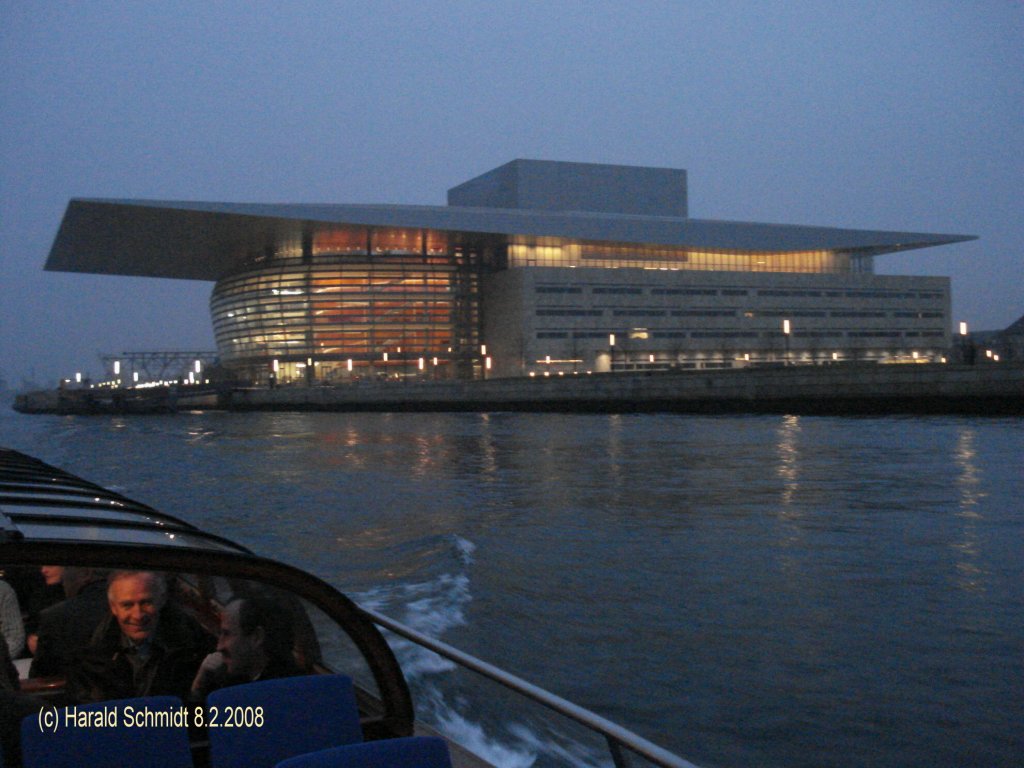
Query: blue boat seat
<point x="296" y="715"/>
<point x="107" y="734"/>
<point x="411" y="752"/>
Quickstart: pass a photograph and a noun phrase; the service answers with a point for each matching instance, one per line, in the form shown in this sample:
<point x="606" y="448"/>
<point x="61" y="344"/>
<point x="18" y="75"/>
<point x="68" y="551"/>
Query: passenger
<point x="10" y="621"/>
<point x="48" y="590"/>
<point x="53" y="575"/>
<point x="14" y="705"/>
<point x="66" y="629"/>
<point x="256" y="643"/>
<point x="146" y="647"/>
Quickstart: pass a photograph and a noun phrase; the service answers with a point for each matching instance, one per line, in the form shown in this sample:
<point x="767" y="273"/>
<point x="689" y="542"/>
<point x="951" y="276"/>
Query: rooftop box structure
<point x="546" y="185"/>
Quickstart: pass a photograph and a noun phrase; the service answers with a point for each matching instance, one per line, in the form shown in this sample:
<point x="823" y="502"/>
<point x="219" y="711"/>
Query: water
<point x="770" y="591"/>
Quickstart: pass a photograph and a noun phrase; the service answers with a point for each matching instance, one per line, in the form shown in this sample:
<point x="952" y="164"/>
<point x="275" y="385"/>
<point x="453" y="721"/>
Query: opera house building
<point x="533" y="268"/>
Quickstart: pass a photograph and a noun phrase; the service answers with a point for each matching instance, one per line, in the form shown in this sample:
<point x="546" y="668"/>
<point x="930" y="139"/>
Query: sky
<point x="877" y="115"/>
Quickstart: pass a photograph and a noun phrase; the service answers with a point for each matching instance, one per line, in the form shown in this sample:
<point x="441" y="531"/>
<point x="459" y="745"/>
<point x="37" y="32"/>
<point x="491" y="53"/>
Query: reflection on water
<point x="969" y="485"/>
<point x="968" y="480"/>
<point x="789" y="457"/>
<point x="775" y="591"/>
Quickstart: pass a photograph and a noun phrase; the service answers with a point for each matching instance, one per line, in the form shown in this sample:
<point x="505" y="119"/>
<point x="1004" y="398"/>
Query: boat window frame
<point x="398" y="716"/>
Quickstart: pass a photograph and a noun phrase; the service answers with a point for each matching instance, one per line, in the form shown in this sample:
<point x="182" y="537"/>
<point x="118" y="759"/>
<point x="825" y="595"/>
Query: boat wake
<point x="452" y="700"/>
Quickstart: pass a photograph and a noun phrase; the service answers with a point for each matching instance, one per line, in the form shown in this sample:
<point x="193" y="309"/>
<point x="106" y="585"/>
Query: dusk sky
<point x="874" y="115"/>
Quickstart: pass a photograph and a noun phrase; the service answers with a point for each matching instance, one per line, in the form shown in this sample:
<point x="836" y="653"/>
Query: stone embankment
<point x="841" y="389"/>
<point x="99" y="401"/>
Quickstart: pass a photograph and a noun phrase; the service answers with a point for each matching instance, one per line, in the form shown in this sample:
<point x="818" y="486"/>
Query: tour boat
<point x="48" y="516"/>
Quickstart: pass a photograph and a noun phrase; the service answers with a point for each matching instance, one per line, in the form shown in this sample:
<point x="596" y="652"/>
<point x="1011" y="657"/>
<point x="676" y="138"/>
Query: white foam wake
<point x="433" y="607"/>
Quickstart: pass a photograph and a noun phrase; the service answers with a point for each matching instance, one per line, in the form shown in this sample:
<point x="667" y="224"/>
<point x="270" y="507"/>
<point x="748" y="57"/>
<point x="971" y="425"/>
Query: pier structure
<point x="156" y="367"/>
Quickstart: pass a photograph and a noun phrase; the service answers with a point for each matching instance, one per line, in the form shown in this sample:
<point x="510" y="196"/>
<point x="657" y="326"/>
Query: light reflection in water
<point x="488" y="448"/>
<point x="970" y="491"/>
<point x="789" y="458"/>
<point x="790" y="512"/>
<point x="614" y="474"/>
<point x="788" y="461"/>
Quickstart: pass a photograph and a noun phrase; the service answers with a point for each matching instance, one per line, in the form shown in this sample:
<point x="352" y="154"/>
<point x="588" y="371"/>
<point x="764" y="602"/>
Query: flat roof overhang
<point x="205" y="241"/>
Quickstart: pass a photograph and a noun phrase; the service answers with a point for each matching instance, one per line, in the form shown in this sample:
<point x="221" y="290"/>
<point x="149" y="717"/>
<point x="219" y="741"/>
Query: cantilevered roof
<point x="204" y="240"/>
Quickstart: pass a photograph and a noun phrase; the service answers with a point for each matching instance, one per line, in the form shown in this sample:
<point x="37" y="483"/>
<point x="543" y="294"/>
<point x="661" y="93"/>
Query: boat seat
<point x="411" y="752"/>
<point x="107" y="734"/>
<point x="296" y="715"/>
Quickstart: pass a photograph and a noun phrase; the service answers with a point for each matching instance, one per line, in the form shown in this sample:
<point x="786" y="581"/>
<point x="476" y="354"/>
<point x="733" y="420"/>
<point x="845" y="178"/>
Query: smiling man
<point x="145" y="647"/>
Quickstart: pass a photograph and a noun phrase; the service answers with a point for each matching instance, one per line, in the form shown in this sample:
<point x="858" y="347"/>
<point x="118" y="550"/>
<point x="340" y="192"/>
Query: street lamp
<point x="966" y="350"/>
<point x="785" y="332"/>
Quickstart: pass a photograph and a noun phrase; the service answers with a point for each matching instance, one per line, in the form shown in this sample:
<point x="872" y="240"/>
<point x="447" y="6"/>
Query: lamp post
<point x="786" y="329"/>
<point x="611" y="353"/>
<point x="966" y="349"/>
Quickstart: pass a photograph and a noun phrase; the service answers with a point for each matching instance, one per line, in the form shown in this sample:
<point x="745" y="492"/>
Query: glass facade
<point x="560" y="252"/>
<point x="346" y="303"/>
<point x="351" y="302"/>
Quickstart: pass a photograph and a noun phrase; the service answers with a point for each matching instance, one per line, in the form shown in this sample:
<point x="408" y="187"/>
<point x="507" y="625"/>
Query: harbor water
<point x="744" y="590"/>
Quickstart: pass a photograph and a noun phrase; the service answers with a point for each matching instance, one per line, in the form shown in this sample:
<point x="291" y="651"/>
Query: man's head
<point x="76" y="578"/>
<point x="52" y="574"/>
<point x="136" y="599"/>
<point x="253" y="631"/>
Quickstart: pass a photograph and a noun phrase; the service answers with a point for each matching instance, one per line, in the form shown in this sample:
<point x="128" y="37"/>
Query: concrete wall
<point x="697" y="319"/>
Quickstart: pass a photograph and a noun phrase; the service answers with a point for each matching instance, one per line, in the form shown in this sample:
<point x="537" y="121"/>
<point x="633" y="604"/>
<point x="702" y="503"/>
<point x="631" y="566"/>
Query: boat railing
<point x="620" y="740"/>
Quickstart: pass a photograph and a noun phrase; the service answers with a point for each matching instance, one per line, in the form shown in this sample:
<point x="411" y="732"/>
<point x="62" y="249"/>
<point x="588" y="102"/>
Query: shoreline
<point x="864" y="389"/>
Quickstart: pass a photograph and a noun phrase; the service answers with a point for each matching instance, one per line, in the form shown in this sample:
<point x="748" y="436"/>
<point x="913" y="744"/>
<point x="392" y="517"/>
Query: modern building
<point x="534" y="268"/>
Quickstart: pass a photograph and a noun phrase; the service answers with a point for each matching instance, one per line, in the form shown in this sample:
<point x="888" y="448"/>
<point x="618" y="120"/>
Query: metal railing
<point x="616" y="736"/>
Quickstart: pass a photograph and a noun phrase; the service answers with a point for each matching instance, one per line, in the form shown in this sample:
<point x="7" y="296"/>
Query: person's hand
<point x="211" y="667"/>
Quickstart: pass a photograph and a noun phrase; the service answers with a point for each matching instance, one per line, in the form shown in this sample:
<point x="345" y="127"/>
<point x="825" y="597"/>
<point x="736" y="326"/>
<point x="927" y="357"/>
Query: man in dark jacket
<point x="256" y="642"/>
<point x="146" y="647"/>
<point x="66" y="629"/>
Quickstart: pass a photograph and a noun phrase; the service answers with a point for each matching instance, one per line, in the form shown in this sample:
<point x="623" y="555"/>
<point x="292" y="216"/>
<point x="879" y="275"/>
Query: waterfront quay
<point x="841" y="389"/>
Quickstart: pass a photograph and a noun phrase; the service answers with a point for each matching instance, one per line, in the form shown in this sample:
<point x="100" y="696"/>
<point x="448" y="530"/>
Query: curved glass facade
<point x="348" y="303"/>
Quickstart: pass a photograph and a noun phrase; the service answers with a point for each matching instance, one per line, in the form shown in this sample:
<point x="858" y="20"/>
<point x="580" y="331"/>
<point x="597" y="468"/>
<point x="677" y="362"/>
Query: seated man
<point x="66" y="629"/>
<point x="256" y="642"/>
<point x="11" y="626"/>
<point x="42" y="588"/>
<point x="146" y="647"/>
<point x="14" y="705"/>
